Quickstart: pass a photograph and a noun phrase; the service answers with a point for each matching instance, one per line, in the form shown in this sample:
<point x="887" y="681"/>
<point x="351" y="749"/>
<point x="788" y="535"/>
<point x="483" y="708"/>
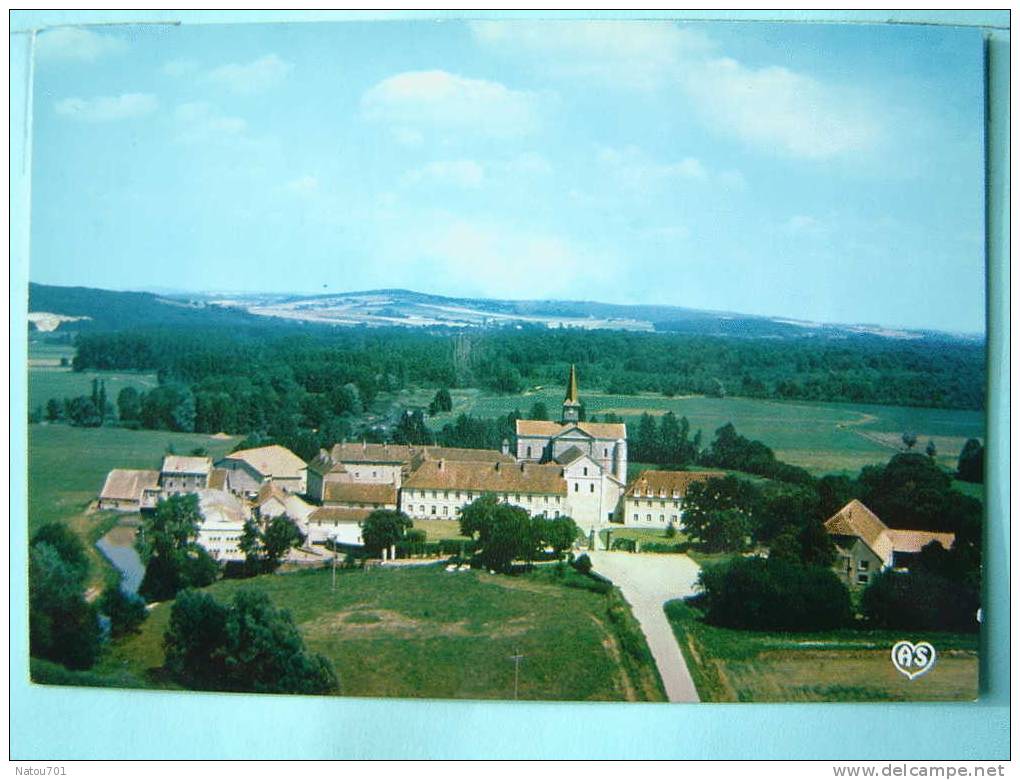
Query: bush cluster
<point x="774" y="595"/>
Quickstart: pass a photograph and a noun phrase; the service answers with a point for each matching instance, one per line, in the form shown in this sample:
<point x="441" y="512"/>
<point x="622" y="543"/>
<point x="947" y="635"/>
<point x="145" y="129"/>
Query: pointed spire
<point x="572" y="395"/>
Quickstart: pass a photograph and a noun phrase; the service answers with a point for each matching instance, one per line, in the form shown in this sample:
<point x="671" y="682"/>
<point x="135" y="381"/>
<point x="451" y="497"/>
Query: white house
<point x="438" y="490"/>
<point x="656" y="498"/>
<point x="331" y="522"/>
<point x="223" y="518"/>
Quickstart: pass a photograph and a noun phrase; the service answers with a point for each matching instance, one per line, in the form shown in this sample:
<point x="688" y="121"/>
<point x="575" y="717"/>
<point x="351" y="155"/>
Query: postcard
<point x="587" y="360"/>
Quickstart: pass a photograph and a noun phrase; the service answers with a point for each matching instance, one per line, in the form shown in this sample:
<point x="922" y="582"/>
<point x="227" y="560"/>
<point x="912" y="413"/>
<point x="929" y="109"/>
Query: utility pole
<point x="332" y="540"/>
<point x="517" y="657"/>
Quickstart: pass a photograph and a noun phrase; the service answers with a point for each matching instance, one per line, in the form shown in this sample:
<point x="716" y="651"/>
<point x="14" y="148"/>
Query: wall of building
<point x="241" y="477"/>
<point x="319" y="532"/>
<point x="656" y="512"/>
<point x="221" y="539"/>
<point x="856" y="564"/>
<point x="371" y="472"/>
<point x="428" y="504"/>
<point x="183" y="483"/>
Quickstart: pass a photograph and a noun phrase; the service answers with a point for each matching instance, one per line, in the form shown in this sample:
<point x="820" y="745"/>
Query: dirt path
<point x="647" y="581"/>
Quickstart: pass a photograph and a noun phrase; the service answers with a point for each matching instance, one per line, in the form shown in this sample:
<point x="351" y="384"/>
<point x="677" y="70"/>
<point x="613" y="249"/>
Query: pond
<point x="118" y="548"/>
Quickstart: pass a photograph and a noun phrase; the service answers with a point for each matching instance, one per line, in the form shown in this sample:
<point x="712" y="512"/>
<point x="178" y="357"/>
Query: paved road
<point x="647" y="581"/>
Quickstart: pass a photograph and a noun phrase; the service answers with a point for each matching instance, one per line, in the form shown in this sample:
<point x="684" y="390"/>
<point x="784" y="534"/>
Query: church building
<point x="593" y="457"/>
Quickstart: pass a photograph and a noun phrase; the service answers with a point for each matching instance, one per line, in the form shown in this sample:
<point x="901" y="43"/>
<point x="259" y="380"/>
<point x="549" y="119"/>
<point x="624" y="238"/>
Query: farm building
<point x="248" y="470"/>
<point x="180" y="474"/>
<point x="865" y="546"/>
<point x="129" y="490"/>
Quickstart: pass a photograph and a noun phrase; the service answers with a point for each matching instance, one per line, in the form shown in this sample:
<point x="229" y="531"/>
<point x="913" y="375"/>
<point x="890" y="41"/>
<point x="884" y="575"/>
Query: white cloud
<point x="179" y="68"/>
<point x="202" y="122"/>
<point x="804" y="225"/>
<point x="774" y="109"/>
<point x="638" y="54"/>
<point x="303" y="185"/>
<point x="488" y="258"/>
<point x="406" y="136"/>
<point x="438" y="99"/>
<point x="528" y="163"/>
<point x="107" y="109"/>
<point x="75" y="44"/>
<point x="779" y="109"/>
<point x="251" y="77"/>
<point x="460" y="173"/>
<point x="638" y="171"/>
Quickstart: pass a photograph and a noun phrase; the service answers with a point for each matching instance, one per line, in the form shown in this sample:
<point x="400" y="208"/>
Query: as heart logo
<point x="913" y="660"/>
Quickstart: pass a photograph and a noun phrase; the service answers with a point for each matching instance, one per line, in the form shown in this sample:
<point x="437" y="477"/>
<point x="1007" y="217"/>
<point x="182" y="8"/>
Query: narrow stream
<point x="118" y="548"/>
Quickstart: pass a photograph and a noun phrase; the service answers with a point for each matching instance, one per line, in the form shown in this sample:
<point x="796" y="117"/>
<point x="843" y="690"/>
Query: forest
<point x="239" y="378"/>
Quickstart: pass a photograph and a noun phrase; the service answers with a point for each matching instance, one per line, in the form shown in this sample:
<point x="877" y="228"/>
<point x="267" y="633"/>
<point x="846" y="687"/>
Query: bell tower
<point x="572" y="403"/>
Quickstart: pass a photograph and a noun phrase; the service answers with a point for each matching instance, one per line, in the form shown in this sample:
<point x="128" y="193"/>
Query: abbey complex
<point x="568" y="468"/>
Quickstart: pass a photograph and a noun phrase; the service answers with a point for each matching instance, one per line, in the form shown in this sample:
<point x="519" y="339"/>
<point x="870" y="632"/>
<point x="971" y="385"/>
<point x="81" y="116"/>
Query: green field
<point x="46" y="382"/>
<point x="425" y="632"/>
<point x="821" y="437"/>
<point x="750" y="666"/>
<point x="67" y="467"/>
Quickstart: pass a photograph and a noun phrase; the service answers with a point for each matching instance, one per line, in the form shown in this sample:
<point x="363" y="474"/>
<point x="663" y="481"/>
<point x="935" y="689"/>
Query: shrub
<point x="770" y="594"/>
<point x="582" y="563"/>
<point x="664" y="547"/>
<point x="126" y="611"/>
<point x="415" y="536"/>
<point x="919" y="601"/>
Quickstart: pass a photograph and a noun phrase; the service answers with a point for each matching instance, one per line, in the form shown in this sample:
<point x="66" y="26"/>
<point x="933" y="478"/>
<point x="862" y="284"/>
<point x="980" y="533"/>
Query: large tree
<point x="246" y="646"/>
<point x="63" y="626"/>
<point x="383" y="528"/>
<point x="971" y="465"/>
<point x="166" y="544"/>
<point x="505" y="532"/>
<point x="719" y="513"/>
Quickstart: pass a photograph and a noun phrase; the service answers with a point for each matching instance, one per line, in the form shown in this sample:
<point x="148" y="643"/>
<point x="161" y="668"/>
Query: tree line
<point x="946" y="374"/>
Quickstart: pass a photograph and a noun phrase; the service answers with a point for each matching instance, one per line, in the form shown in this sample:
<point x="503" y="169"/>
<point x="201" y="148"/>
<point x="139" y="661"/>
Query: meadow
<point x="426" y="633"/>
<point x="46" y="382"/>
<point x="849" y="665"/>
<point x="821" y="437"/>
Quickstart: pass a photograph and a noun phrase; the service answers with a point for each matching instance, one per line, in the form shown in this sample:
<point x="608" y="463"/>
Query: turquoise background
<point x="69" y="723"/>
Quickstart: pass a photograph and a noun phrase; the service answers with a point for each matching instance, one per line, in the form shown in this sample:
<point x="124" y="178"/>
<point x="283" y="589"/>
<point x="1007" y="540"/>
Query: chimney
<point x="506" y="447"/>
<point x="364" y="444"/>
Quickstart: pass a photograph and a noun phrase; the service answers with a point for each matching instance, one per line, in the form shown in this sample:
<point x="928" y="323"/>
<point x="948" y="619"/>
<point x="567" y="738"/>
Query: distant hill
<point x="89" y="309"/>
<point x="391" y="307"/>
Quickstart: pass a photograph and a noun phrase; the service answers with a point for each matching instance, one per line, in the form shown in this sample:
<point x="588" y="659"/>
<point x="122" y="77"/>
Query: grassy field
<point x="67" y="467"/>
<point x="424" y="632"/>
<point x="822" y="437"/>
<point x="439" y="529"/>
<point x="46" y="382"/>
<point x="729" y="665"/>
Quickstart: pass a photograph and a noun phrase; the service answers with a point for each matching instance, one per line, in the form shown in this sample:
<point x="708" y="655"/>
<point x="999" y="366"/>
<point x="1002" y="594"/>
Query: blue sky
<point x="829" y="173"/>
